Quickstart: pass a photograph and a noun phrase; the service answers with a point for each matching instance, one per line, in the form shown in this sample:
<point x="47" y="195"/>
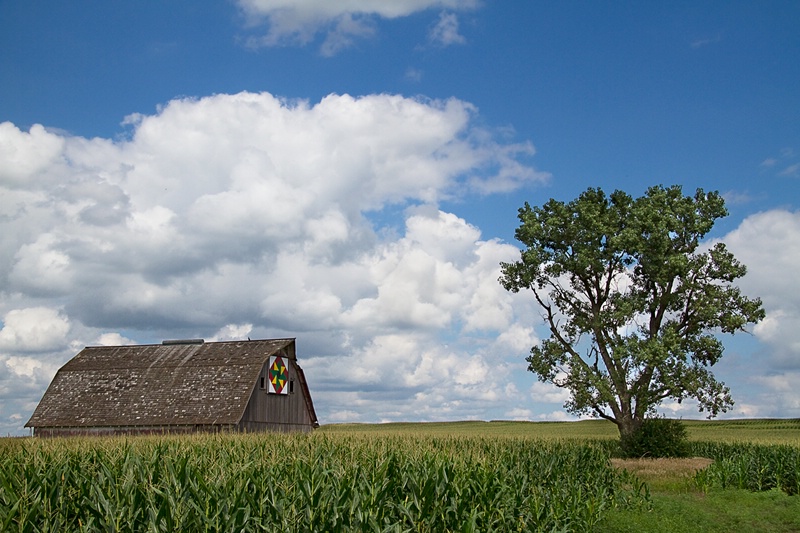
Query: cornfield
<point x="306" y="483"/>
<point x="755" y="467"/>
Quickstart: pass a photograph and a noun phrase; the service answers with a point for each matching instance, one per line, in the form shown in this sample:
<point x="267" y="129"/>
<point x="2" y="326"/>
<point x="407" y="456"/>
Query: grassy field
<point x="761" y="431"/>
<point x="437" y="477"/>
<point x="589" y="429"/>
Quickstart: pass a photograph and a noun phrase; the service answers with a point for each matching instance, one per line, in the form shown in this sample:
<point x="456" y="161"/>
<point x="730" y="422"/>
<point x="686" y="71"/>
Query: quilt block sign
<point x="278" y="376"/>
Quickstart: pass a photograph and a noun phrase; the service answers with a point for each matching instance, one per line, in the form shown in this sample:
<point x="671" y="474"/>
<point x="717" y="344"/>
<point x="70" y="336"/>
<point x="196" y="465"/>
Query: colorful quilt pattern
<point x="278" y="376"/>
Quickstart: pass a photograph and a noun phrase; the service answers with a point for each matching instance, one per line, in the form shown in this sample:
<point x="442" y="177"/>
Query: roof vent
<point x="183" y="341"/>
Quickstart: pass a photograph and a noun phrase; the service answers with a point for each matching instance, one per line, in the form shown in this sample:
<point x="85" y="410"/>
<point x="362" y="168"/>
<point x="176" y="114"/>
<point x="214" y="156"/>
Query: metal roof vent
<point x="183" y="341"/>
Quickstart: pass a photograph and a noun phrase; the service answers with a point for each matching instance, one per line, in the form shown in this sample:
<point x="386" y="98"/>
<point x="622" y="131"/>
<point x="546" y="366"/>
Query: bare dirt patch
<point x="662" y="468"/>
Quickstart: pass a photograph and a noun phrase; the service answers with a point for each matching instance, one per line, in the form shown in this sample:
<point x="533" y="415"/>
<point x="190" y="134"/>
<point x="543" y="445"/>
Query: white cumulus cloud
<point x="33" y="329"/>
<point x="768" y="243"/>
<point x="251" y="215"/>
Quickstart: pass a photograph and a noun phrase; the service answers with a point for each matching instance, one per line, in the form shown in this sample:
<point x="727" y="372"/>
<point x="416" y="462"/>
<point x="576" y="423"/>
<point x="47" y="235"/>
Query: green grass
<point x="679" y="504"/>
<point x="718" y="511"/>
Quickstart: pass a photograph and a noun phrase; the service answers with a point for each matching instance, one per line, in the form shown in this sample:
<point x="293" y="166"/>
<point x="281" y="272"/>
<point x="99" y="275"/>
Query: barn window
<point x="291" y="386"/>
<point x="263" y="383"/>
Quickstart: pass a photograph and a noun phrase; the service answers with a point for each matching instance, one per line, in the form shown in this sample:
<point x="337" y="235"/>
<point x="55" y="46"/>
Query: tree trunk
<point x="628" y="425"/>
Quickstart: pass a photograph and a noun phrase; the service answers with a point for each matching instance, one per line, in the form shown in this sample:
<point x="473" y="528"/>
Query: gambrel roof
<point x="174" y="383"/>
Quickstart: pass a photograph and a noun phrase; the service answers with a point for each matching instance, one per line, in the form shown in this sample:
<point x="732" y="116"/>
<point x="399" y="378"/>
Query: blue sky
<point x="350" y="176"/>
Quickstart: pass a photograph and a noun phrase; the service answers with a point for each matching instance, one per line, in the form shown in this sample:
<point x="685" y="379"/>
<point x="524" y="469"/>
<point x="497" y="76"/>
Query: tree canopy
<point x="633" y="303"/>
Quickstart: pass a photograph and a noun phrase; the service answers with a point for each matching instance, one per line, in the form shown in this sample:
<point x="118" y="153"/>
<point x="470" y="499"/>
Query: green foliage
<point x="657" y="437"/>
<point x="293" y="483"/>
<point x="631" y="303"/>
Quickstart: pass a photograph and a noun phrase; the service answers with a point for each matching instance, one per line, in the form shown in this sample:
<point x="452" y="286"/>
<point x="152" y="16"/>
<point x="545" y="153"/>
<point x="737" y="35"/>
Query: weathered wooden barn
<point x="177" y="387"/>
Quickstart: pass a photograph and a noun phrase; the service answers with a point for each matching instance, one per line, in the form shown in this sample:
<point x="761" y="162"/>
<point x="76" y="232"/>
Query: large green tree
<point x="634" y="307"/>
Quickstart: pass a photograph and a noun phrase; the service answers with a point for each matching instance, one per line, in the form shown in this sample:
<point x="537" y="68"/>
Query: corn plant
<point x="307" y="483"/>
<point x="755" y="467"/>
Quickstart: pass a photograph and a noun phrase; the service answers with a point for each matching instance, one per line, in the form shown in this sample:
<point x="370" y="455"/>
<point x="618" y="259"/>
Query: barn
<point x="179" y="386"/>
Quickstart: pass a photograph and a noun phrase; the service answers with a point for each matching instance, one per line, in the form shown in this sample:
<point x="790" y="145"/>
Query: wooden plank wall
<point x="277" y="412"/>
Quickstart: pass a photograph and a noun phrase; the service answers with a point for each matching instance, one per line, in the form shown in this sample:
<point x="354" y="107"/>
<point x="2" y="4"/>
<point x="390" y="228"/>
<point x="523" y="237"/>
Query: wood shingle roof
<point x="157" y="385"/>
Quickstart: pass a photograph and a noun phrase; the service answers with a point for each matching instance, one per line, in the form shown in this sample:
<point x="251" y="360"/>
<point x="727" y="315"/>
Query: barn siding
<point x="277" y="412"/>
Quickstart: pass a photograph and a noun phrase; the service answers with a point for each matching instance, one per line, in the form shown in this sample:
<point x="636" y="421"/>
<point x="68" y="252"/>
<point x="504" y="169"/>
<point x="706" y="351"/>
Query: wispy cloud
<point x="783" y="161"/>
<point x="345" y="32"/>
<point x="792" y="171"/>
<point x="737" y="198"/>
<point x="413" y="74"/>
<point x="298" y="22"/>
<point x="445" y="32"/>
<point x="705" y="41"/>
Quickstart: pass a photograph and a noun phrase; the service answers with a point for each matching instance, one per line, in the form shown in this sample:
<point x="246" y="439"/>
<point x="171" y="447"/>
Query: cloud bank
<point x="247" y="214"/>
